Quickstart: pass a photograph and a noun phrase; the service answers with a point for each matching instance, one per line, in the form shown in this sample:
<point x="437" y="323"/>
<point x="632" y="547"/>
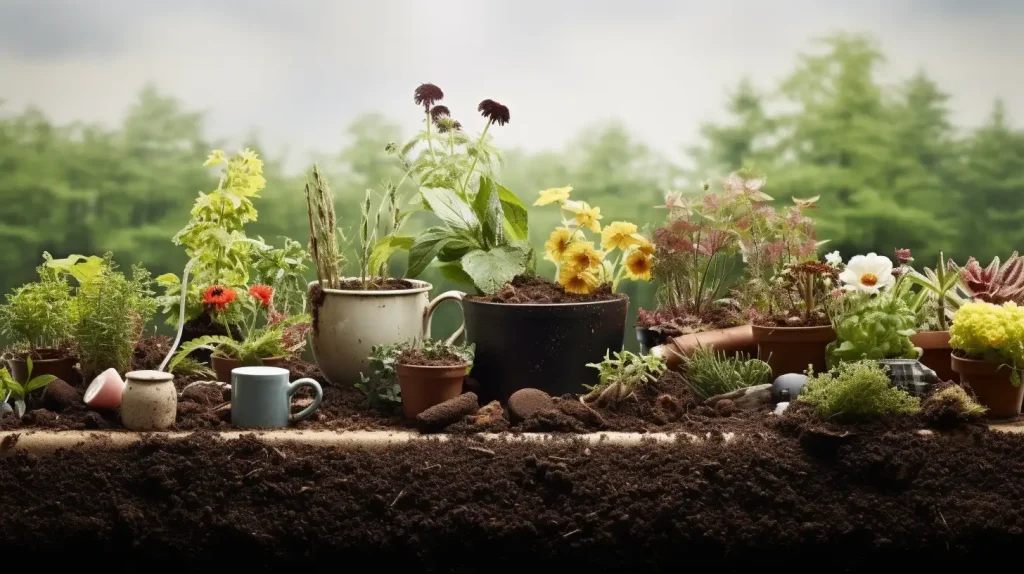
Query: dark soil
<point x="677" y="321"/>
<point x="460" y="506"/>
<point x="536" y="289"/>
<point x="390" y="284"/>
<point x="416" y="358"/>
<point x="792" y="320"/>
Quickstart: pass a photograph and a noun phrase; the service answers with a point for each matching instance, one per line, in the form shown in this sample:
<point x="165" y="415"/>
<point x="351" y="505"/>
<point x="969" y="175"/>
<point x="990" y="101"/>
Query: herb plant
<point x="381" y="384"/>
<point x="323" y="230"/>
<point x="990" y="332"/>
<point x="283" y="270"/>
<point x="710" y="372"/>
<point x="621" y="375"/>
<point x="39" y="315"/>
<point x="857" y="391"/>
<point x="939" y="289"/>
<point x="12" y="389"/>
<point x="580" y="267"/>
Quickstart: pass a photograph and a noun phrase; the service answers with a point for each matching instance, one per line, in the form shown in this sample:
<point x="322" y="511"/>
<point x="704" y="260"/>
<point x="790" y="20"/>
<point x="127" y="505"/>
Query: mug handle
<point x="316" y="399"/>
<point x="432" y="306"/>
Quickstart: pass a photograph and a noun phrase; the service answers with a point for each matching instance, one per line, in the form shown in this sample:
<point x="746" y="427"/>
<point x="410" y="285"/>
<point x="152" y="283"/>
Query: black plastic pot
<point x="649" y="339"/>
<point x="545" y="347"/>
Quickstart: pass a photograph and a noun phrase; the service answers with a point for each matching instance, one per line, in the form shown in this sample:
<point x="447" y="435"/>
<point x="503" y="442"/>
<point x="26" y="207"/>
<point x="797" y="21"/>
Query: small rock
<point x="792" y="383"/>
<point x="524" y="403"/>
<point x="438" y="417"/>
<point x="580" y="412"/>
<point x="487" y="414"/>
<point x="780" y="408"/>
<point x="725" y="408"/>
<point x="748" y="399"/>
<point x="59" y="396"/>
<point x="6" y="409"/>
<point x="671" y="406"/>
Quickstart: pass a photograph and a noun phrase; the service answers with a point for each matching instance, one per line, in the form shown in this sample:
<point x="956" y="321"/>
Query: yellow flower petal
<point x="215" y="158"/>
<point x="588" y="217"/>
<point x="559" y="194"/>
<point x="643" y="245"/>
<point x="618" y="235"/>
<point x="580" y="282"/>
<point x="582" y="256"/>
<point x="638" y="266"/>
<point x="556" y="244"/>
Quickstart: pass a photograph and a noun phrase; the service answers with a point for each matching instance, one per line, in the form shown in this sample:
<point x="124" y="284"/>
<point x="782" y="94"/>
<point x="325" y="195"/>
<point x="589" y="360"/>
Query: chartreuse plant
<point x="380" y="385"/>
<point x="39" y="315"/>
<point x="990" y="332"/>
<point x="857" y="391"/>
<point x="580" y="266"/>
<point x="621" y="375"/>
<point x="710" y="372"/>
<point x="482" y="238"/>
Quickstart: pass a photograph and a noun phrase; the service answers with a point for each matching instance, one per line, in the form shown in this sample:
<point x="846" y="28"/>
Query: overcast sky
<point x="298" y="71"/>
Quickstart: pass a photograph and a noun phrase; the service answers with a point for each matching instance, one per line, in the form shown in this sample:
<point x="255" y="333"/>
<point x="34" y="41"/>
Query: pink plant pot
<point x="105" y="390"/>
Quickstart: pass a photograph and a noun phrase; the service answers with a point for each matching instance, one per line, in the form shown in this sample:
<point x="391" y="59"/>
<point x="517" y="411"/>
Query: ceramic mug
<point x="261" y="397"/>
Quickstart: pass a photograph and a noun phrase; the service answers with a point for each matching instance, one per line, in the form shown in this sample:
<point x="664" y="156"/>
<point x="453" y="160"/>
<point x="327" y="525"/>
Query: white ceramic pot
<point x="350" y="323"/>
<point x="149" y="401"/>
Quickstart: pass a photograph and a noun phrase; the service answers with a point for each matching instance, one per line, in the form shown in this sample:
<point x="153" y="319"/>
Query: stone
<point x="748" y="399"/>
<point x="780" y="408"/>
<point x="725" y="407"/>
<point x="524" y="403"/>
<point x="438" y="417"/>
<point x="59" y="396"/>
<point x="792" y="383"/>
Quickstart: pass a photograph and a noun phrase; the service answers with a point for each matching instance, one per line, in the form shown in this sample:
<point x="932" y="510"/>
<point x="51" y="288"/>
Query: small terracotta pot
<point x="991" y="383"/>
<point x="730" y="340"/>
<point x="423" y="387"/>
<point x="222" y="366"/>
<point x="937" y="352"/>
<point x="792" y="349"/>
<point x="63" y="368"/>
<point x="105" y="391"/>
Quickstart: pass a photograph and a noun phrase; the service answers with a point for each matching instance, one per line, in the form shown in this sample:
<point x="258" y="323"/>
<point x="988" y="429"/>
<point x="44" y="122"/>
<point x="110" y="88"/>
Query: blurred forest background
<point x="891" y="169"/>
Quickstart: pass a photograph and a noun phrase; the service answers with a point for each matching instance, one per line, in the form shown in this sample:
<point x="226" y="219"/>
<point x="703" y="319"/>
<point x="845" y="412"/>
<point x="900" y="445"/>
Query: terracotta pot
<point x="423" y="386"/>
<point x="63" y="368"/>
<point x="937" y="352"/>
<point x="991" y="383"/>
<point x="730" y="340"/>
<point x="792" y="349"/>
<point x="537" y="345"/>
<point x="223" y="366"/>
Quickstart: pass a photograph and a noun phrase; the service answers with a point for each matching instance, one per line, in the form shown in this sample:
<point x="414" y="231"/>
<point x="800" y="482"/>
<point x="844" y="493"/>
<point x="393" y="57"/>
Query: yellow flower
<point x="581" y="255"/>
<point x="643" y="245"/>
<point x="559" y="194"/>
<point x="586" y="216"/>
<point x="556" y="244"/>
<point x="638" y="266"/>
<point x="215" y="158"/>
<point x="618" y="235"/>
<point x="578" y="281"/>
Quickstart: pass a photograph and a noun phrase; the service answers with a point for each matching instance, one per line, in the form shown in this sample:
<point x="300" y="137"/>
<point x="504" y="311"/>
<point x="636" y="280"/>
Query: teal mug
<point x="261" y="397"/>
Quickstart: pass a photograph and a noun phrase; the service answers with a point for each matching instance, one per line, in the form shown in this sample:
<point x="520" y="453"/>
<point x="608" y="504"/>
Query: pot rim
<point x="624" y="299"/>
<point x="433" y="368"/>
<point x="219" y="358"/>
<point x="23" y="359"/>
<point x="420" y="287"/>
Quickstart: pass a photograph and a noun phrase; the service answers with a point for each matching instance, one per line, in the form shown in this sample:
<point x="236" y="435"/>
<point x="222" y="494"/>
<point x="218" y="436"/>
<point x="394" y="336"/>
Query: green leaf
<point x="452" y="210"/>
<point x="28" y="365"/>
<point x="39" y="382"/>
<point x="387" y="247"/>
<point x="517" y="226"/>
<point x="426" y="247"/>
<point x="487" y="207"/>
<point x="82" y="268"/>
<point x="491" y="270"/>
<point x="16" y="389"/>
<point x="453" y="272"/>
<point x="210" y="342"/>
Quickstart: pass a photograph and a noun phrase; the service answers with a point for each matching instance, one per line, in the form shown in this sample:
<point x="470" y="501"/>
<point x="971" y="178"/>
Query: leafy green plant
<point x="857" y="391"/>
<point x="265" y="332"/>
<point x="40" y="314"/>
<point x="10" y="388"/>
<point x="283" y="269"/>
<point x="381" y="385"/>
<point x="710" y="372"/>
<point x="193" y="368"/>
<point x="621" y="375"/>
<point x="938" y="294"/>
<point x="872" y="327"/>
<point x="483" y="236"/>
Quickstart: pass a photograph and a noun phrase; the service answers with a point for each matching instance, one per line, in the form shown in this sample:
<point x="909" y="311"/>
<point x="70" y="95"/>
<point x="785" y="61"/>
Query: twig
<point x="486" y="451"/>
<point x="395" y="501"/>
<point x="431" y="466"/>
<point x="560" y="458"/>
<point x="568" y="534"/>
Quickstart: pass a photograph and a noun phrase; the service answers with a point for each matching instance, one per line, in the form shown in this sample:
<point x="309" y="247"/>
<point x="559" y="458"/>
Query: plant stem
<point x="476" y="156"/>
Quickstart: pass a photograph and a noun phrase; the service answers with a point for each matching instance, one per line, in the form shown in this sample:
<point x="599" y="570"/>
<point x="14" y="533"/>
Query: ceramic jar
<point x="149" y="401"/>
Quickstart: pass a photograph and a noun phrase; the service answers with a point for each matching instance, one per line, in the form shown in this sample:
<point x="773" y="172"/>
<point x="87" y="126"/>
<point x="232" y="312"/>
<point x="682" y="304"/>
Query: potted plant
<point x="268" y="336"/>
<point x="935" y="303"/>
<point x="620" y="376"/>
<point x="418" y="373"/>
<point x="697" y="250"/>
<point x="871" y="318"/>
<point x="988" y="353"/>
<point x="37" y="318"/>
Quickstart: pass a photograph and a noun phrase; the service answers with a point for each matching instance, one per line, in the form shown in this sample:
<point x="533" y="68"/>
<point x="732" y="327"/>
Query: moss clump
<point x="856" y="392"/>
<point x="950" y="406"/>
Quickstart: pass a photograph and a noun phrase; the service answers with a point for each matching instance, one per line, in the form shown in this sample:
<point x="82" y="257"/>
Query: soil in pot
<point x="45" y="361"/>
<point x="525" y="290"/>
<point x="792" y="349"/>
<point x="223" y="366"/>
<point x="991" y="384"/>
<point x="426" y="382"/>
<point x="937" y="353"/>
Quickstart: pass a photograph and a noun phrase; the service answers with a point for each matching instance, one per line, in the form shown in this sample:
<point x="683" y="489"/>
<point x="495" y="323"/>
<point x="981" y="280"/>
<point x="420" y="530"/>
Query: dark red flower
<point x="427" y="94"/>
<point x="439" y="111"/>
<point x="219" y="296"/>
<point x="903" y="256"/>
<point x="494" y="112"/>
<point x="262" y="292"/>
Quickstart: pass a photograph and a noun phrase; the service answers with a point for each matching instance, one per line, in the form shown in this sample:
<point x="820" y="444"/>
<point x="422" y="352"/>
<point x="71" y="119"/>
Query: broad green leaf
<point x="387" y="247"/>
<point x="454" y="212"/>
<point x="82" y="268"/>
<point x="452" y="271"/>
<point x="491" y="270"/>
<point x="16" y="389"/>
<point x="487" y="207"/>
<point x="455" y="249"/>
<point x="39" y="382"/>
<point x="517" y="226"/>
<point x="426" y="247"/>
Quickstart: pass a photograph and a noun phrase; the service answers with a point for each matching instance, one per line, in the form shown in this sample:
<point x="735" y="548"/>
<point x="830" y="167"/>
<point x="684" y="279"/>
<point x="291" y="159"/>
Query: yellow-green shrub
<point x="990" y="332"/>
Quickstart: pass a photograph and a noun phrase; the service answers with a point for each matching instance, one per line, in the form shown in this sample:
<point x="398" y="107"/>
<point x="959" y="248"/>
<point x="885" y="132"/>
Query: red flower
<point x="263" y="293"/>
<point x="219" y="296"/>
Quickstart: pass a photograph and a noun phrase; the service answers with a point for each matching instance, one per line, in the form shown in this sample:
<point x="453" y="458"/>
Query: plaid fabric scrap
<point x="910" y="375"/>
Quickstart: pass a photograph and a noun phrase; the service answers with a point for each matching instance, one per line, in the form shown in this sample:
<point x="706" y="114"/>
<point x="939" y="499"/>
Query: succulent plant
<point x="994" y="284"/>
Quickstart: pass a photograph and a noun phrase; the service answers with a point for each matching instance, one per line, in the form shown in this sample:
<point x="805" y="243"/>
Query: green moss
<point x="858" y="391"/>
